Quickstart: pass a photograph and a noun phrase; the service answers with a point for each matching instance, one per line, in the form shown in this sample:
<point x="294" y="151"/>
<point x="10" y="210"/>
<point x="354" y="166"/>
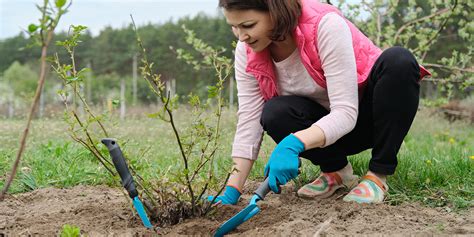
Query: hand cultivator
<point x="126" y="177"/>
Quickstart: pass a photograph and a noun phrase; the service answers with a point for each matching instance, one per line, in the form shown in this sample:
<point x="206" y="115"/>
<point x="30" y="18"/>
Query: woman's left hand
<point x="284" y="162"/>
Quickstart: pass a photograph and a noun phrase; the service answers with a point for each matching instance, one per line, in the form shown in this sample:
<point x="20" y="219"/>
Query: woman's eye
<point x="248" y="26"/>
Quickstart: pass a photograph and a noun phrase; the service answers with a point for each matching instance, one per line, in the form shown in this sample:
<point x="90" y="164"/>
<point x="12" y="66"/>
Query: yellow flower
<point x="428" y="162"/>
<point x="472" y="157"/>
<point x="452" y="141"/>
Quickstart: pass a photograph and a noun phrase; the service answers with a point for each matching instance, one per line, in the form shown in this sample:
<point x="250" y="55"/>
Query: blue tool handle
<point x="121" y="166"/>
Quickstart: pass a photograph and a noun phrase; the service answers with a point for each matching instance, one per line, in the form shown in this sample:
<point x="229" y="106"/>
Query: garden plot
<point x="100" y="210"/>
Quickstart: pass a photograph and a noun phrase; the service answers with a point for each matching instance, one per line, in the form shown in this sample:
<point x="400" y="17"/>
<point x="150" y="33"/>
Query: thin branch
<point x="210" y="204"/>
<point x="89" y="111"/>
<point x="175" y="130"/>
<point x="201" y="162"/>
<point x="470" y="70"/>
<point x="89" y="138"/>
<point x="443" y="80"/>
<point x="83" y="143"/>
<point x="378" y="16"/>
<point x="406" y="25"/>
<point x="168" y="110"/>
<point x="441" y="28"/>
<point x="39" y="88"/>
<point x="150" y="196"/>
<point x="89" y="146"/>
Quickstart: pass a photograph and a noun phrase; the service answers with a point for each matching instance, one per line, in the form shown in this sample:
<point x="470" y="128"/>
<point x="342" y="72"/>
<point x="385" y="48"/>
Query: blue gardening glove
<point x="284" y="162"/>
<point x="230" y="197"/>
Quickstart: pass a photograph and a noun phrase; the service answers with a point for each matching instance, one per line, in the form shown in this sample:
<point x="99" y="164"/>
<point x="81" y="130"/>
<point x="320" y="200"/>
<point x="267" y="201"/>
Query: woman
<point x="322" y="90"/>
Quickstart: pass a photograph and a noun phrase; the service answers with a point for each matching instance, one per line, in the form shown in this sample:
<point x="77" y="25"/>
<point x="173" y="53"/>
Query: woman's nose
<point x="241" y="35"/>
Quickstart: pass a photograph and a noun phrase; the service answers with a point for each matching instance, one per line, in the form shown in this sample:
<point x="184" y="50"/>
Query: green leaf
<point x="83" y="71"/>
<point x="61" y="92"/>
<point x="71" y="79"/>
<point x="61" y="43"/>
<point x="212" y="91"/>
<point x="32" y="28"/>
<point x="78" y="28"/>
<point x="70" y="231"/>
<point x="67" y="67"/>
<point x="153" y="115"/>
<point x="60" y="3"/>
<point x="194" y="100"/>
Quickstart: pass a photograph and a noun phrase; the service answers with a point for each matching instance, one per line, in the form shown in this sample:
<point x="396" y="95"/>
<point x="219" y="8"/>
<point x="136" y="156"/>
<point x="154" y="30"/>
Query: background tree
<point x="439" y="32"/>
<point x="422" y="26"/>
<point x="21" y="79"/>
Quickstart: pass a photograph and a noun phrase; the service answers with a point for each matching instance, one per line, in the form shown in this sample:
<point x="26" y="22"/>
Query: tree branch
<point x="440" y="28"/>
<point x="34" y="105"/>
<point x="402" y="28"/>
<point x="471" y="69"/>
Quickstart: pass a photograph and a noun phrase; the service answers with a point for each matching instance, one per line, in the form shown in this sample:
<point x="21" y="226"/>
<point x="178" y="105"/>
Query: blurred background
<point x="109" y="49"/>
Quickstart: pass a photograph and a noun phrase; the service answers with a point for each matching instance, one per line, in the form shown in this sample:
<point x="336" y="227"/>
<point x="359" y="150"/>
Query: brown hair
<point x="284" y="13"/>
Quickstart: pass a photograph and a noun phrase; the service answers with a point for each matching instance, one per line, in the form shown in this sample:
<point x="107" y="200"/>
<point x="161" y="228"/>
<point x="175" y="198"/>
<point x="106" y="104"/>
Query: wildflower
<point x="472" y="157"/>
<point x="428" y="162"/>
<point x="451" y="140"/>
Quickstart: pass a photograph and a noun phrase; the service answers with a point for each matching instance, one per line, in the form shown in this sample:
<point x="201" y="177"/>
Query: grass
<point x="435" y="163"/>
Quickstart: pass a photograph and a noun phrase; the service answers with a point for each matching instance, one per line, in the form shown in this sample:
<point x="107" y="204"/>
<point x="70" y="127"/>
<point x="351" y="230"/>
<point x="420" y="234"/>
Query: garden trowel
<point x="248" y="212"/>
<point x="251" y="210"/>
<point x="126" y="177"/>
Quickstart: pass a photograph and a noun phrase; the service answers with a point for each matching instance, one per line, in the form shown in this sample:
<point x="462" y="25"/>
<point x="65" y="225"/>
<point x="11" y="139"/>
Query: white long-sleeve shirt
<point x="335" y="50"/>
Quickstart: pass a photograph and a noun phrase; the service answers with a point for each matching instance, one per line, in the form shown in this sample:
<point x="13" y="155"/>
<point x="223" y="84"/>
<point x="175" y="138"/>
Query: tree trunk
<point x="11" y="105"/>
<point x="171" y="87"/>
<point x="122" y="99"/>
<point x="134" y="85"/>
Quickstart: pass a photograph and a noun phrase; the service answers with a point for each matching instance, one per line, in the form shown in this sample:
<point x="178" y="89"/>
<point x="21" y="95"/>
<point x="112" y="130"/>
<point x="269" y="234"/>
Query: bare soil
<point x="101" y="210"/>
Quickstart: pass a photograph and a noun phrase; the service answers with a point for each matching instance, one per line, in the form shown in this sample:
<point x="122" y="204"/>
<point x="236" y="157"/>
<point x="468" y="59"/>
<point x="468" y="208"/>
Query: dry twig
<point x="323" y="227"/>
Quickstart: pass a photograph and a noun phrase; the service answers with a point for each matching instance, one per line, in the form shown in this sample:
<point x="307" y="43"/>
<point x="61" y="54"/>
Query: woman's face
<point x="251" y="26"/>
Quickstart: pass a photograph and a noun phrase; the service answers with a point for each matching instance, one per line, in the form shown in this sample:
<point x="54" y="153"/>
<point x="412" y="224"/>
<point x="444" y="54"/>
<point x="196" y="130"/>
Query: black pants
<point x="386" y="112"/>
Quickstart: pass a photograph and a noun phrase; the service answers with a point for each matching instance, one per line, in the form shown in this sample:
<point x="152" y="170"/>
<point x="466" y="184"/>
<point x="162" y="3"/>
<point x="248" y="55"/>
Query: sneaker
<point x="369" y="190"/>
<point x="326" y="184"/>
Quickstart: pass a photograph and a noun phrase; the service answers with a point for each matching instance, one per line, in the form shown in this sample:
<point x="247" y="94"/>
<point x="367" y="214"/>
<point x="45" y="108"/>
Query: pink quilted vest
<point x="306" y="34"/>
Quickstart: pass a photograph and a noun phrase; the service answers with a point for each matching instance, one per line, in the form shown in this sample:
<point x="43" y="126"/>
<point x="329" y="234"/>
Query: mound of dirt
<point x="96" y="210"/>
<point x="102" y="211"/>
